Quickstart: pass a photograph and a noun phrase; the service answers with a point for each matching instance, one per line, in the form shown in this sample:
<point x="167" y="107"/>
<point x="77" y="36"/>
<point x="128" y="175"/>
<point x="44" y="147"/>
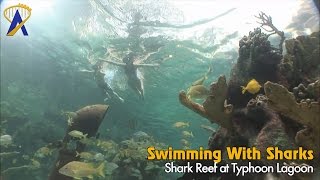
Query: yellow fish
<point x="44" y="151"/>
<point x="208" y="128"/>
<point x="181" y="124"/>
<point x="106" y="145"/>
<point x="185" y="142"/>
<point x="88" y="141"/>
<point x="35" y="163"/>
<point x="78" y="170"/>
<point x="77" y="134"/>
<point x="84" y="155"/>
<point x="187" y="134"/>
<point x="202" y="79"/>
<point x="252" y="87"/>
<point x="198" y="92"/>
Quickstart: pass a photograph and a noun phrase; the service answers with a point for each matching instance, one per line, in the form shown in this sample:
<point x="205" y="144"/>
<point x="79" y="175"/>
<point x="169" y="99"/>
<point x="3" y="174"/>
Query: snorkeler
<point x="131" y="69"/>
<point x="99" y="77"/>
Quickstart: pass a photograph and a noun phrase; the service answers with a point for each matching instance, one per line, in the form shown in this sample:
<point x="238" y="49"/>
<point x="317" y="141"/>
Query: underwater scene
<point x="125" y="89"/>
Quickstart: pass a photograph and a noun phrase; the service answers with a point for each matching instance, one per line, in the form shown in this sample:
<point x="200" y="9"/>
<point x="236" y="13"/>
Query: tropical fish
<point x="78" y="170"/>
<point x="202" y="79"/>
<point x="84" y="155"/>
<point x="107" y="145"/>
<point x="26" y="157"/>
<point x="198" y="92"/>
<point x="185" y="142"/>
<point x="88" y="141"/>
<point x="181" y="124"/>
<point x="187" y="134"/>
<point x="14" y="161"/>
<point x="151" y="166"/>
<point x="35" y="164"/>
<point x="110" y="167"/>
<point x="199" y="81"/>
<point x="98" y="157"/>
<point x="186" y="147"/>
<point x="77" y="134"/>
<point x="208" y="128"/>
<point x="70" y="116"/>
<point x="5" y="140"/>
<point x="42" y="152"/>
<point x="252" y="87"/>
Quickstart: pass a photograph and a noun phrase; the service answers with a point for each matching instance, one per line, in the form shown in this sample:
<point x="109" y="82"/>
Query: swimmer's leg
<point x="108" y="96"/>
<point x="141" y="90"/>
<point x="139" y="84"/>
<point x="120" y="98"/>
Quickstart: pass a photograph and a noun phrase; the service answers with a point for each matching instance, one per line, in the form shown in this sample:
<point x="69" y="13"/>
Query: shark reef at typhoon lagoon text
<point x="233" y="153"/>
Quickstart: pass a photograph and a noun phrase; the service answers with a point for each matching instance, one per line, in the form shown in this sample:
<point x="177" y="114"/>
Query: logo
<point x="17" y="15"/>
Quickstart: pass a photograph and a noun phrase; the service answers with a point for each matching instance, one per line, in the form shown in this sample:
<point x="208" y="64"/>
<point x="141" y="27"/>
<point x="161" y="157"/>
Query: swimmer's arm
<point x="112" y="62"/>
<point x="146" y="65"/>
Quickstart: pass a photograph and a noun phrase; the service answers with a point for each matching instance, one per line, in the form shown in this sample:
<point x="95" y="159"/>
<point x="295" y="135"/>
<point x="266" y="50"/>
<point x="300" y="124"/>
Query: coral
<point x="214" y="107"/>
<point x="266" y="21"/>
<point x="305" y="113"/>
<point x="248" y="122"/>
<point x="259" y="60"/>
<point x="276" y="117"/>
<point x="257" y="48"/>
<point x="301" y="64"/>
<point x="307" y="94"/>
<point x="304" y="138"/>
<point x="36" y="133"/>
<point x="131" y="158"/>
<point x="11" y="115"/>
<point x="273" y="134"/>
<point x="283" y="101"/>
<point x="262" y="127"/>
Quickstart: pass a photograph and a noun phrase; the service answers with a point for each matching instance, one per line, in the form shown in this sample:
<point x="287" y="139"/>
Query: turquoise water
<point x="50" y="70"/>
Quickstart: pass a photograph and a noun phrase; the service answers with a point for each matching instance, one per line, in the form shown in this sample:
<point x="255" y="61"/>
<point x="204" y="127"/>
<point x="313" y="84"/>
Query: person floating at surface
<point x="135" y="80"/>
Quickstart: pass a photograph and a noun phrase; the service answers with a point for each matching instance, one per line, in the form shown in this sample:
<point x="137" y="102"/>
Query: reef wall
<point x="285" y="113"/>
